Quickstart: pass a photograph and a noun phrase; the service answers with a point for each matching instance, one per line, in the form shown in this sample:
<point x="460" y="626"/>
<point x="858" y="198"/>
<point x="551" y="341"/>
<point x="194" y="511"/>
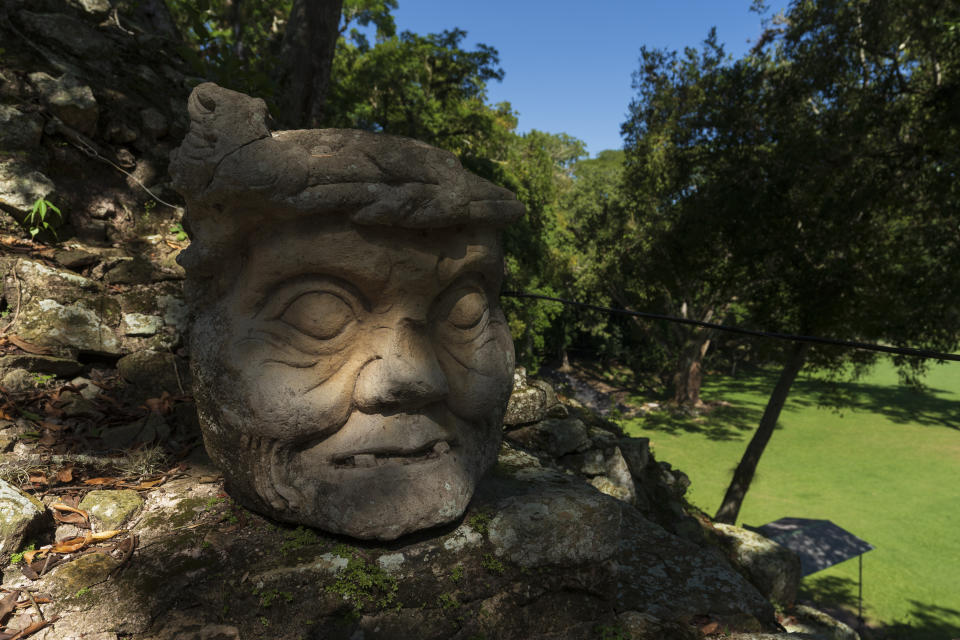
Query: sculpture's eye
<point x="318" y="314"/>
<point x="468" y="310"/>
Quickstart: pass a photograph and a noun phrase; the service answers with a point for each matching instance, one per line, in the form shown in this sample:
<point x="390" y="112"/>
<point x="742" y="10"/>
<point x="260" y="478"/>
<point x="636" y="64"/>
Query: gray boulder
<point x="68" y="99"/>
<point x="773" y="569"/>
<point x="20" y="517"/>
<point x="21" y="185"/>
<point x="19" y="130"/>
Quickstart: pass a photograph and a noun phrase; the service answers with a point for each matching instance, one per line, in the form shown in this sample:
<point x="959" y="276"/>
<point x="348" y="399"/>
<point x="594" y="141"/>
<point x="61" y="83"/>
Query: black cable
<point x="903" y="351"/>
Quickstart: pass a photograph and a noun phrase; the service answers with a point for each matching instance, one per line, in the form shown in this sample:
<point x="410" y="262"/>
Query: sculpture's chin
<point x="383" y="498"/>
<point x="379" y="502"/>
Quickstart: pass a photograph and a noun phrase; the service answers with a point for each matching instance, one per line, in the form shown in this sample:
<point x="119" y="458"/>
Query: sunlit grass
<point x="887" y="469"/>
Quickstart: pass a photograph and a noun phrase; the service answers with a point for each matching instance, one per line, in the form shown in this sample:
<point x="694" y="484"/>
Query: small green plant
<point x="362" y="583"/>
<point x="268" y="597"/>
<point x="457" y="573"/>
<point x="264" y="621"/>
<point x="611" y="632"/>
<point x="43" y="378"/>
<point x="148" y="206"/>
<point x="37" y="220"/>
<point x="480" y="522"/>
<point x="18" y="556"/>
<point x="179" y="231"/>
<point x="4" y="313"/>
<point x="448" y="601"/>
<point x="298" y="539"/>
<point x="82" y="592"/>
<point x="491" y="563"/>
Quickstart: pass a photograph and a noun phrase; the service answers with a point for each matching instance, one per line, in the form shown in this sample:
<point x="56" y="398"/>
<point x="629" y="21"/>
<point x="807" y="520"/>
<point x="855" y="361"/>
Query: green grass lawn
<point x="887" y="469"/>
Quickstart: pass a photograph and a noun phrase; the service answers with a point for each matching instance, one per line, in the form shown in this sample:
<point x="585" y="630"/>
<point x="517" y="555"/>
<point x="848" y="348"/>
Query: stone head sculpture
<point x="351" y="362"/>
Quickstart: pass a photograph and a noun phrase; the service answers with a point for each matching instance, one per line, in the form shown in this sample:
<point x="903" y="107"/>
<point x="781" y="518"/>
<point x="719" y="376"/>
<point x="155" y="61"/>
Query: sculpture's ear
<point x="221" y="121"/>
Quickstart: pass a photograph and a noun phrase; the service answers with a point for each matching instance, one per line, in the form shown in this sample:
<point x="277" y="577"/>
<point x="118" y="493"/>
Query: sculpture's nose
<point x="405" y="375"/>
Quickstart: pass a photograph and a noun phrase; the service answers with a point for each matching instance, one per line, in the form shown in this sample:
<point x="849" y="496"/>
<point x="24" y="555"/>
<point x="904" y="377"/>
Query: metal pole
<point x="860" y="597"/>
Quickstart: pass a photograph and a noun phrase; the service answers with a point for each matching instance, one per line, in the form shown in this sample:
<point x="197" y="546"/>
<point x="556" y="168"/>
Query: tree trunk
<point x="689" y="376"/>
<point x="743" y="475"/>
<point x="306" y="54"/>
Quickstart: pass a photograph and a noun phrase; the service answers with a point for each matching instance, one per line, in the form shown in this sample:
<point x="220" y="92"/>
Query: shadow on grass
<point x="723" y="422"/>
<point x="898" y="403"/>
<point x="838" y="597"/>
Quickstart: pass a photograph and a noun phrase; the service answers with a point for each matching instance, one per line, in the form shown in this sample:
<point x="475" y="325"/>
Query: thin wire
<point x="903" y="351"/>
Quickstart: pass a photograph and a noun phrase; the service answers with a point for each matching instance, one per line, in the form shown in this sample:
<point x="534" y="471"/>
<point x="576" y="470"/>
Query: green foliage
<point x="424" y="87"/>
<point x="492" y="563"/>
<point x="269" y="596"/>
<point x="297" y="539"/>
<point x="362" y="583"/>
<point x="178" y="230"/>
<point x="611" y="632"/>
<point x="480" y="522"/>
<point x="457" y="573"/>
<point x="18" y="556"/>
<point x="235" y="44"/>
<point x="43" y="378"/>
<point x="447" y="601"/>
<point x="37" y="220"/>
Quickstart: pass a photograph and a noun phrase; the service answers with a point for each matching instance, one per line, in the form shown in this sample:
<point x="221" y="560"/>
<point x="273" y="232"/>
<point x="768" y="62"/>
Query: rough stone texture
<point x="531" y="401"/>
<point x="139" y="324"/>
<point x="20" y="516"/>
<point x="771" y="568"/>
<point x="154" y="372"/>
<point x="60" y="367"/>
<point x="807" y="621"/>
<point x="69" y="314"/>
<point x="78" y="37"/>
<point x="21" y="185"/>
<point x="19" y="130"/>
<point x="539" y="554"/>
<point x="555" y="436"/>
<point x="111" y="509"/>
<point x="68" y="99"/>
<point x="352" y="365"/>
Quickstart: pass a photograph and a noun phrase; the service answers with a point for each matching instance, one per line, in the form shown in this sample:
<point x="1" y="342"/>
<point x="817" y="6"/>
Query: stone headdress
<point x="237" y="176"/>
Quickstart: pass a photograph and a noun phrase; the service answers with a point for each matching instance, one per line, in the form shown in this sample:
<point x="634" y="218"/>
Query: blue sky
<point x="568" y="64"/>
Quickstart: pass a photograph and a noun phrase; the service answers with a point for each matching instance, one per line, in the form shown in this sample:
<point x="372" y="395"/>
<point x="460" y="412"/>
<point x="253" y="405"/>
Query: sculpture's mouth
<point x="370" y="459"/>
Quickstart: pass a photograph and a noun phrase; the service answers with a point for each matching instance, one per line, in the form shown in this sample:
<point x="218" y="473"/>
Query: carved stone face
<point x="354" y="378"/>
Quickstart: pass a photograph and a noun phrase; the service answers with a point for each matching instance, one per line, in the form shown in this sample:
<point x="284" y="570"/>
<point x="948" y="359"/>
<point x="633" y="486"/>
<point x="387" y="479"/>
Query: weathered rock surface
<point x="771" y="568"/>
<point x="20" y="515"/>
<point x="111" y="509"/>
<point x="539" y="554"/>
<point x="21" y="185"/>
<point x="68" y="99"/>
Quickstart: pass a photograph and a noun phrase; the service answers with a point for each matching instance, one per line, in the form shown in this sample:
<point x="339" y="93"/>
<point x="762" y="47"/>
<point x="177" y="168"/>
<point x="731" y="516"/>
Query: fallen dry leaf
<point x="47" y="439"/>
<point x="29" y="347"/>
<point x="38" y="478"/>
<point x="33" y="628"/>
<point x="8" y="604"/>
<point x="100" y="481"/>
<point x="162" y="405"/>
<point x="65" y="475"/>
<point x="70" y="545"/>
<point x="105" y="535"/>
<point x="72" y="518"/>
<point x="59" y="506"/>
<point x="28" y="556"/>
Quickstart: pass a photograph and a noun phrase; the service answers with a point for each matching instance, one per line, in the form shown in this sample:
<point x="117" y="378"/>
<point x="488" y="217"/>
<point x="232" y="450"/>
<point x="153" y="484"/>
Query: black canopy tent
<point x="819" y="544"/>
